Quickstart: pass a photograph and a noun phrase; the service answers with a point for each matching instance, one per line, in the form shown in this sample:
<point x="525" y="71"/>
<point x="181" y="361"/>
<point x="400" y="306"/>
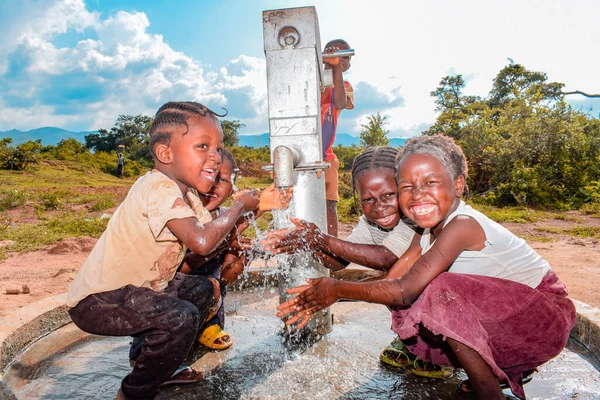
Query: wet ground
<point x="70" y="364"/>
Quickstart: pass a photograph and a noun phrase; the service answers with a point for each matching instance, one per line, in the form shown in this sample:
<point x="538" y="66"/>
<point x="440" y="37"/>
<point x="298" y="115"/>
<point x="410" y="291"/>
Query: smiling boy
<point x="128" y="285"/>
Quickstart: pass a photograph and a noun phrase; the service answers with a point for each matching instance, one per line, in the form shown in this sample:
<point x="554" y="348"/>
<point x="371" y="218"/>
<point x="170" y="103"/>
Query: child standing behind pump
<point x="333" y="101"/>
<point x="128" y="285"/>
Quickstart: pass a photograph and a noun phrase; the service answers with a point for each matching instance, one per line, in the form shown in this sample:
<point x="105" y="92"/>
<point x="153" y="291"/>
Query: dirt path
<point x="48" y="272"/>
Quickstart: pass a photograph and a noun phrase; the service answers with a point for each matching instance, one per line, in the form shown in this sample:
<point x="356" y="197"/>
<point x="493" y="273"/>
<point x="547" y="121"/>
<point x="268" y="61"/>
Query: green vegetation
<point x="581" y="231"/>
<point x="519" y="214"/>
<point x="524" y="144"/>
<point x="56" y="174"/>
<point x="591" y="208"/>
<point x="10" y="199"/>
<point x="373" y="133"/>
<point x="231" y="132"/>
<point x="30" y="237"/>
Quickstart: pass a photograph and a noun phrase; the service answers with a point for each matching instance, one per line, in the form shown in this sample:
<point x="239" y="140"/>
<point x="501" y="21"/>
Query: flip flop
<point x="396" y="354"/>
<point x="211" y="334"/>
<point x="427" y="369"/>
<point x="184" y="376"/>
<point x="465" y="386"/>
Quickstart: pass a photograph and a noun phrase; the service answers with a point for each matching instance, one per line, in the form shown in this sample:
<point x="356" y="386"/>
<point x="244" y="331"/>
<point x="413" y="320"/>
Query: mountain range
<point x="51" y="136"/>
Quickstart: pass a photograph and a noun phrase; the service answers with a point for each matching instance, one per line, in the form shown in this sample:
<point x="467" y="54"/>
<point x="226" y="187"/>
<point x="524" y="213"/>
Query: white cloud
<point x="126" y="70"/>
<point x="412" y="45"/>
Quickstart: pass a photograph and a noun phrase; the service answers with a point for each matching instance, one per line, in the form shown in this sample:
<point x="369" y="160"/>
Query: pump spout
<point x="285" y="159"/>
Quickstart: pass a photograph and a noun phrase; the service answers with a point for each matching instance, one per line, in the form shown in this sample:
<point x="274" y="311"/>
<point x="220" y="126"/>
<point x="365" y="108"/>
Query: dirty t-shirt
<point x="397" y="240"/>
<point x="137" y="248"/>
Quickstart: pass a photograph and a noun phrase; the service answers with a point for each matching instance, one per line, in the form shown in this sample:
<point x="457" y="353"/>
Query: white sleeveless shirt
<point x="504" y="256"/>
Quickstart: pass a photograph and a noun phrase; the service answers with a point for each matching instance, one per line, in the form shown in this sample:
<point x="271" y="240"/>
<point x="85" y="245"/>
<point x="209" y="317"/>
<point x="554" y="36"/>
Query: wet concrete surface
<point x="70" y="364"/>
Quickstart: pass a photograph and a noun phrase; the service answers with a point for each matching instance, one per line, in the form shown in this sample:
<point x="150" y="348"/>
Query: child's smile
<point x="209" y="173"/>
<point x="379" y="197"/>
<point x="196" y="154"/>
<point x="222" y="188"/>
<point x="427" y="193"/>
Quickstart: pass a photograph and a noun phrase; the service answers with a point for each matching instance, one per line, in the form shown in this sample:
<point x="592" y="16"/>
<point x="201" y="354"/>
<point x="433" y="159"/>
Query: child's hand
<point x="333" y="61"/>
<point x="248" y="198"/>
<point x="304" y="235"/>
<point x="320" y="293"/>
<point x="272" y="198"/>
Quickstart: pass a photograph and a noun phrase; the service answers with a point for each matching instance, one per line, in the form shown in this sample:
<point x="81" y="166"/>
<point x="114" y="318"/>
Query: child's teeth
<point x="423" y="209"/>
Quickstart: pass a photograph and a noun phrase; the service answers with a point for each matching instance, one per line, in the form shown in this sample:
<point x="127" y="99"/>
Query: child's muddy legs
<point x="480" y="374"/>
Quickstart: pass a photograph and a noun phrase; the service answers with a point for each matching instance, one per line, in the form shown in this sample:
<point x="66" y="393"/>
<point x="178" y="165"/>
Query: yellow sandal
<point x="212" y="334"/>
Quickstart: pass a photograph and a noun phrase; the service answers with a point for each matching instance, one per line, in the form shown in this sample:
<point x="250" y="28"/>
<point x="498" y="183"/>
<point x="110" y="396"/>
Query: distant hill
<point x="341" y="138"/>
<point x="49" y="135"/>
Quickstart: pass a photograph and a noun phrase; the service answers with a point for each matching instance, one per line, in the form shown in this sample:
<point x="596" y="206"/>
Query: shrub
<point x="346" y="155"/>
<point x="54" y="200"/>
<point x="348" y="210"/>
<point x="21" y="157"/>
<point x="103" y="202"/>
<point x="10" y="199"/>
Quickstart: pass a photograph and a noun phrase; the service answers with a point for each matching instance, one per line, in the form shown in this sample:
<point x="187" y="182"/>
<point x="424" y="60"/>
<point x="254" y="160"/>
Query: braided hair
<point x="375" y="157"/>
<point x="176" y="114"/>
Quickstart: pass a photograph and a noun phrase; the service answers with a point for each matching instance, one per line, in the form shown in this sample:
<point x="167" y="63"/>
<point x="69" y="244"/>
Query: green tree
<point x="231" y="132"/>
<point x="523" y="143"/>
<point x="102" y="141"/>
<point x="21" y="157"/>
<point x="516" y="82"/>
<point x="69" y="150"/>
<point x="130" y="131"/>
<point x="373" y="133"/>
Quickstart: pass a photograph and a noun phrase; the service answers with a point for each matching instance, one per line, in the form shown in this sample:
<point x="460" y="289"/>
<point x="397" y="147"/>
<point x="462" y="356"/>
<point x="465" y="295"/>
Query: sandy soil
<point x="48" y="272"/>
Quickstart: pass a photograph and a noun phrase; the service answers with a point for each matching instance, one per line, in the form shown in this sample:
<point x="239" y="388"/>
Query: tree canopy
<point x="524" y="144"/>
<point x="230" y="132"/>
<point x="373" y="133"/>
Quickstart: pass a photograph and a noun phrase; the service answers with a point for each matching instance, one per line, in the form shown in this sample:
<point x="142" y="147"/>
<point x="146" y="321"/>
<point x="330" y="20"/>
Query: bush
<point x="346" y="155"/>
<point x="10" y="199"/>
<point x="345" y="189"/>
<point x="103" y="202"/>
<point x="21" y="157"/>
<point x="245" y="153"/>
<point x="348" y="210"/>
<point x="51" y="200"/>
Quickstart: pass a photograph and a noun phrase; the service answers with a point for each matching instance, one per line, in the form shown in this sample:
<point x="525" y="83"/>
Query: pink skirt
<point x="513" y="327"/>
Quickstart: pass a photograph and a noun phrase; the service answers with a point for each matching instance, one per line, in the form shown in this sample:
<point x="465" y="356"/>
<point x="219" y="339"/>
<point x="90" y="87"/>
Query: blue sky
<point x="78" y="64"/>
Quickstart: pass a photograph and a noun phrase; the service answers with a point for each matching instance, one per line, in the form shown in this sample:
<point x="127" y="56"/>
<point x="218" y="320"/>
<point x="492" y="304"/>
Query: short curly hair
<point x="442" y="147"/>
